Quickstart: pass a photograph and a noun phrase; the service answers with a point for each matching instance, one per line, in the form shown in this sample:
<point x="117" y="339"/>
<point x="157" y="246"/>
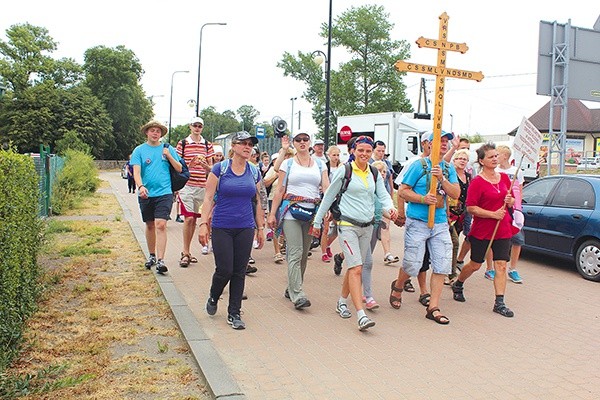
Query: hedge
<point x="20" y="232"/>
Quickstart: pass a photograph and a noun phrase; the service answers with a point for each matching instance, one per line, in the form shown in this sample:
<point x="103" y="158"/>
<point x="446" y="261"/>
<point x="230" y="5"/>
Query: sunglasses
<point x="245" y="143"/>
<point x="363" y="139"/>
<point x="197" y="125"/>
<point x="303" y="139"/>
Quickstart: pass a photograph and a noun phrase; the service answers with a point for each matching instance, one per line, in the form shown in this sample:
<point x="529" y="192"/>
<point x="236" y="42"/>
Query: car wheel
<point x="587" y="260"/>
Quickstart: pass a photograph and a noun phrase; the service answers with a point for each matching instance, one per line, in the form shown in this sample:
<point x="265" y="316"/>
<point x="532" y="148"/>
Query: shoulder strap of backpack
<point x="183" y="142"/>
<point x="347" y="176"/>
<point x="254" y="171"/>
<point x="224" y="165"/>
<point x="374" y="171"/>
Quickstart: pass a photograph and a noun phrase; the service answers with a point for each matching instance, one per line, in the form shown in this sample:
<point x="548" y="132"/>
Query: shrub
<point x="77" y="179"/>
<point x="20" y="231"/>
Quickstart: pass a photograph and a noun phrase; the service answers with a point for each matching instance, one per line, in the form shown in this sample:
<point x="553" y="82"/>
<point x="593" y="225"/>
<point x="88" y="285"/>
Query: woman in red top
<point x="488" y="197"/>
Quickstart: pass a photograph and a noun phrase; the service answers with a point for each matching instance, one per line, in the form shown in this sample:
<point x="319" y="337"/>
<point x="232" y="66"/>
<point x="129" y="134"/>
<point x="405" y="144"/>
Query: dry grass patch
<point x="103" y="330"/>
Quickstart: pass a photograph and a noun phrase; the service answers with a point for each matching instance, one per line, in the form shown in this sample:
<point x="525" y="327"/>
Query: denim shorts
<point x="518" y="239"/>
<point x="418" y="236"/>
<point x="156" y="207"/>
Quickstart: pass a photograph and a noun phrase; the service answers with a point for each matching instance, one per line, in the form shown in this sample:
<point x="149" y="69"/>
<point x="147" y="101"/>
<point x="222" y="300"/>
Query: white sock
<point x="343" y="300"/>
<point x="360" y="314"/>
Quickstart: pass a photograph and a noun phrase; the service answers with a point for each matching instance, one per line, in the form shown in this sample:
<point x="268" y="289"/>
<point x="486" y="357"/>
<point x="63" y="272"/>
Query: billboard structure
<point x="568" y="67"/>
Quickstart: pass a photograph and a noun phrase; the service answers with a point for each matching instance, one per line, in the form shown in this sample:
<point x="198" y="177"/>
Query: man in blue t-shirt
<point x="415" y="190"/>
<point x="150" y="162"/>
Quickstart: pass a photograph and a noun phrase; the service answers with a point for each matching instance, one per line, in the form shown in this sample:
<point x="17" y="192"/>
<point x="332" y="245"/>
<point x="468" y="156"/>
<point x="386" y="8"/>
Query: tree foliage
<point x="366" y="83"/>
<point x="114" y="75"/>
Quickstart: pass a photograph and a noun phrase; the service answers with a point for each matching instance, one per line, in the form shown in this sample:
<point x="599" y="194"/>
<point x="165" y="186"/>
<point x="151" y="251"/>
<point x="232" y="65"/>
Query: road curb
<point x="219" y="380"/>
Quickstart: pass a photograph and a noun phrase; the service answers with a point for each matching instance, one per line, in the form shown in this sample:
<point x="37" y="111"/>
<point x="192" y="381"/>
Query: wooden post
<point x="441" y="72"/>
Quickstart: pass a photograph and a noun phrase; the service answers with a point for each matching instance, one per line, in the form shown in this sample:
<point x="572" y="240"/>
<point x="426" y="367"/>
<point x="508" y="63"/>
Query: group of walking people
<point x="227" y="195"/>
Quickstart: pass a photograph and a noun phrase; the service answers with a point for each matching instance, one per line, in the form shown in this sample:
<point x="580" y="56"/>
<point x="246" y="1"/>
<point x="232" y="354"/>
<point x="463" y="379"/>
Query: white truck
<point x="400" y="133"/>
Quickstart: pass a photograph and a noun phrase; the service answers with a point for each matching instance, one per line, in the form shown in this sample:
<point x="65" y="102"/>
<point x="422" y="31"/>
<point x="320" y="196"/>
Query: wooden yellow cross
<point x="441" y="72"/>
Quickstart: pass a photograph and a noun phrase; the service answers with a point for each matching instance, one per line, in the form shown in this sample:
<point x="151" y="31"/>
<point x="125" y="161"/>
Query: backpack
<point x="335" y="206"/>
<point x="445" y="171"/>
<point x="178" y="179"/>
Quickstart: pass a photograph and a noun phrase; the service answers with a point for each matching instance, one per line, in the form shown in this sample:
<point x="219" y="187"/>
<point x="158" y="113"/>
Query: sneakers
<point x="372" y="305"/>
<point x="325" y="258"/>
<point x="161" y="268"/>
<point x="329" y="253"/>
<point x="337" y="264"/>
<point x="251" y="260"/>
<point x="211" y="306"/>
<point x="269" y="236"/>
<point x="235" y="321"/>
<point x="255" y="244"/>
<point x="179" y="219"/>
<point x="286" y="294"/>
<point x="503" y="310"/>
<point x="390" y="259"/>
<point x="302" y="302"/>
<point x="458" y="294"/>
<point x="365" y="323"/>
<point x="514" y="276"/>
<point x="151" y="262"/>
<point x="342" y="309"/>
<point x="205" y="250"/>
<point x="250" y="269"/>
<point x="278" y="258"/>
<point x="491" y="274"/>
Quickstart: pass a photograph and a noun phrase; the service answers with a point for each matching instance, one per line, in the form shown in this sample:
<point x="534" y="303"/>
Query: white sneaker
<point x="255" y="244"/>
<point x="205" y="250"/>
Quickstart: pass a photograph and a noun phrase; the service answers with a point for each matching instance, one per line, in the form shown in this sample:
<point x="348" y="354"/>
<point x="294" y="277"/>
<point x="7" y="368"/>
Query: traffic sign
<point x="345" y="133"/>
<point x="260" y="132"/>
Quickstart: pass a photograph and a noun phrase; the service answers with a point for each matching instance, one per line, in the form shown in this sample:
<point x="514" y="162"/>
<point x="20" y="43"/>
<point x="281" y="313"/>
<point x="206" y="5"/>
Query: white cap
<point x="196" y="120"/>
<point x="218" y="148"/>
<point x="318" y="141"/>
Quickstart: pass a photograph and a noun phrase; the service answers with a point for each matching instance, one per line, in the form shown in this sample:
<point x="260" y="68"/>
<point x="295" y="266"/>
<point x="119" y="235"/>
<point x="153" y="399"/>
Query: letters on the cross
<point x="441" y="72"/>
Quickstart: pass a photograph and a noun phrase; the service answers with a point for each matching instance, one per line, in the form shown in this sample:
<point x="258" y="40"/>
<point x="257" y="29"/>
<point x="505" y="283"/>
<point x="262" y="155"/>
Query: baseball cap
<point x="428" y="136"/>
<point x="300" y="133"/>
<point x="243" y="135"/>
<point x="197" y="120"/>
<point x="218" y="148"/>
<point x="318" y="141"/>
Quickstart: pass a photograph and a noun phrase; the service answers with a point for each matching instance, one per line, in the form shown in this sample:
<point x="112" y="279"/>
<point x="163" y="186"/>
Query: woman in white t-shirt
<point x="301" y="180"/>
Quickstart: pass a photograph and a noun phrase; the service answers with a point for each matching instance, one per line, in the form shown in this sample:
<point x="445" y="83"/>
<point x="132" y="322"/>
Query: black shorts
<point x="156" y="207"/>
<point x="500" y="247"/>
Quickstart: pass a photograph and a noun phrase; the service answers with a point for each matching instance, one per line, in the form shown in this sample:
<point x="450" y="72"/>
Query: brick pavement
<point x="548" y="350"/>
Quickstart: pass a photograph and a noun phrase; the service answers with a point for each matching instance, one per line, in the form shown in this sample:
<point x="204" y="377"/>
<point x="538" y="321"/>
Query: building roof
<point x="580" y="119"/>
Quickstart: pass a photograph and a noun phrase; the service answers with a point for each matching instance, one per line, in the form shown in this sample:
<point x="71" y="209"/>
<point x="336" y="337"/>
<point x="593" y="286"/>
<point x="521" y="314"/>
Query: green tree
<point x="45" y="97"/>
<point x="114" y="77"/>
<point x="71" y="141"/>
<point x="216" y="123"/>
<point x="366" y="83"/>
<point x="248" y="115"/>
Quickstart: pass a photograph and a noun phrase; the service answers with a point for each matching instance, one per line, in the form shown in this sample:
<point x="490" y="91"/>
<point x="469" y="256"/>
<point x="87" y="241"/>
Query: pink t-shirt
<point x="488" y="196"/>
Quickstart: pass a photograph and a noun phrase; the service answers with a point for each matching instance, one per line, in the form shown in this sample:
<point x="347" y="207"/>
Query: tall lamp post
<point x="171" y="105"/>
<point x="199" y="60"/>
<point x="292" y="121"/>
<point x="319" y="60"/>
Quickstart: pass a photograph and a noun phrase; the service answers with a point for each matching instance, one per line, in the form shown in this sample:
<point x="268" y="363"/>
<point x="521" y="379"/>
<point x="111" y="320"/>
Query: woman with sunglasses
<point x="355" y="228"/>
<point x="233" y="222"/>
<point x="301" y="179"/>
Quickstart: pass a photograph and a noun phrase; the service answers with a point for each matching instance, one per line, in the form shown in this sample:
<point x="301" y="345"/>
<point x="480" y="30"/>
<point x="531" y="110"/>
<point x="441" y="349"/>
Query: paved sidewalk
<point x="549" y="350"/>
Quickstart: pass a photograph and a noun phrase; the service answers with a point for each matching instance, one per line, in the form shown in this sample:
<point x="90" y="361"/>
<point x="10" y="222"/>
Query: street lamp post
<point x="171" y="105"/>
<point x="292" y="121"/>
<point x="319" y="60"/>
<point x="199" y="60"/>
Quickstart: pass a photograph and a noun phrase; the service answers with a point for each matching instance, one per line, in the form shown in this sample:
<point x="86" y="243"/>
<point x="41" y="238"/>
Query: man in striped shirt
<point x="198" y="154"/>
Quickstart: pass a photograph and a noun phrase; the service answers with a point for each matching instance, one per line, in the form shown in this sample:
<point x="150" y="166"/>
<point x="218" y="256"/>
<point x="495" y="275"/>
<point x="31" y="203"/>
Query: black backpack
<point x="179" y="179"/>
<point x="335" y="206"/>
